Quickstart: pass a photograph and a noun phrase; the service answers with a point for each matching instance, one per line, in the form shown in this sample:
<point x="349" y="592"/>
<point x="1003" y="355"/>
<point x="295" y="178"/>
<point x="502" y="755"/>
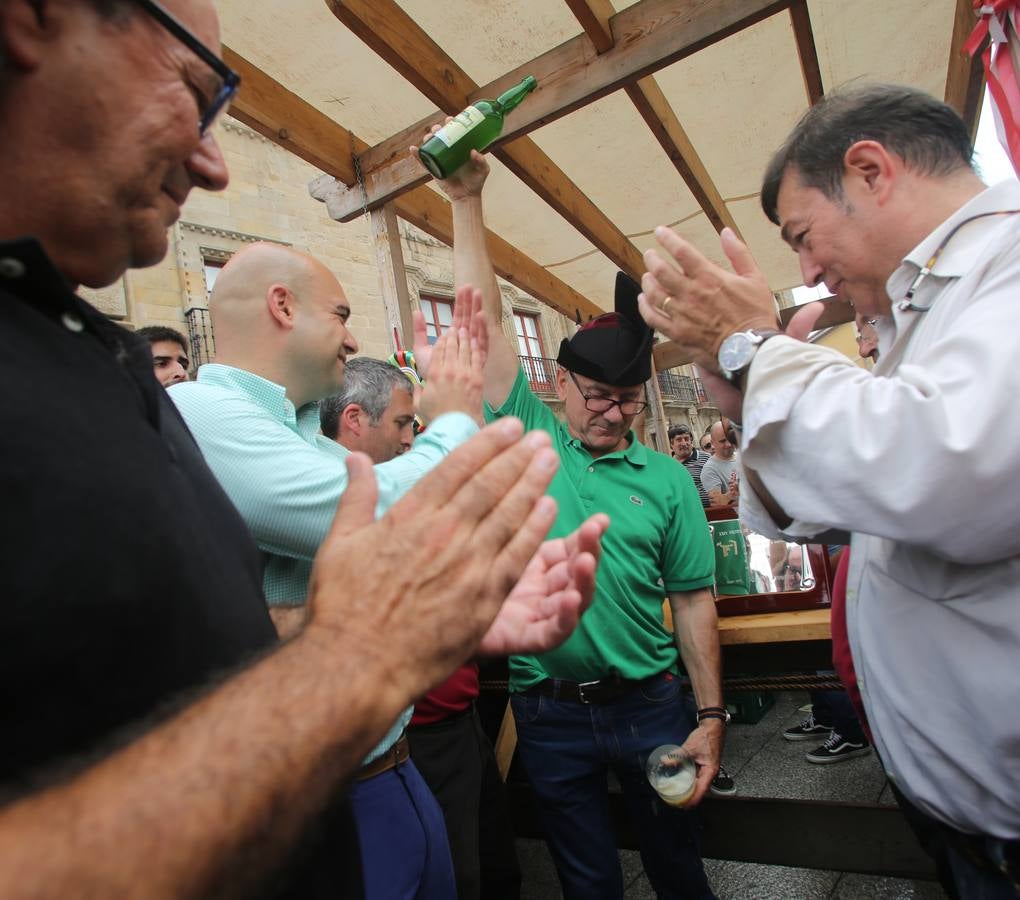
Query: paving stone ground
<point x="765" y="765"/>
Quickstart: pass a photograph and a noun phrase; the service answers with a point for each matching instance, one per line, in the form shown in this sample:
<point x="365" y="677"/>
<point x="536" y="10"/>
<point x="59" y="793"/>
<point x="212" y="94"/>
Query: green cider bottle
<point x="473" y="129"/>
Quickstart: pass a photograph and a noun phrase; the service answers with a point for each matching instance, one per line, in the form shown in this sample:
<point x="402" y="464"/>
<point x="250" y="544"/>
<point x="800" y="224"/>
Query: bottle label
<point x="453" y="131"/>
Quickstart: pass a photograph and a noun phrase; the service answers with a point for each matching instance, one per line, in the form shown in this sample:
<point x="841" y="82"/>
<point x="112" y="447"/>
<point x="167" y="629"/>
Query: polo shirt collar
<point x="269" y="395"/>
<point x="635" y="452"/>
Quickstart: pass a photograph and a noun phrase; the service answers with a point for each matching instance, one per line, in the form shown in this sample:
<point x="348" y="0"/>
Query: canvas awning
<point x="647" y="112"/>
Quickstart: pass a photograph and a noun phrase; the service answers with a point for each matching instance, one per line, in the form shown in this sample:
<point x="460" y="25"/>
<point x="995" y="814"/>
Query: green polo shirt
<point x="658" y="541"/>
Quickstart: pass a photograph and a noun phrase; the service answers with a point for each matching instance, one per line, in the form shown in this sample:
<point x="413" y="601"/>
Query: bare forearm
<point x="210" y="802"/>
<point x="696" y="629"/>
<point x="472" y="265"/>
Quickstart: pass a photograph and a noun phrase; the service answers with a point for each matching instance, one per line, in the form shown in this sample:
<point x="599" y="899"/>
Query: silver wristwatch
<point x="737" y="351"/>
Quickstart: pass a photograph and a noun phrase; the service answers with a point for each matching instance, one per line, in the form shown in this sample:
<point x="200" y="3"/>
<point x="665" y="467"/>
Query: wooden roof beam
<point x="595" y="17"/>
<point x="805" y="37"/>
<point x="397" y="38"/>
<point x="654" y="108"/>
<point x="272" y="110"/>
<point x="265" y="106"/>
<point x="965" y="79"/>
<point x="648" y="36"/>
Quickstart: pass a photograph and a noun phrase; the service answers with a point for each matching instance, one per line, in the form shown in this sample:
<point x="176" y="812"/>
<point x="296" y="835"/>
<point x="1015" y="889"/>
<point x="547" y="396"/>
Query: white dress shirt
<point x="919" y="459"/>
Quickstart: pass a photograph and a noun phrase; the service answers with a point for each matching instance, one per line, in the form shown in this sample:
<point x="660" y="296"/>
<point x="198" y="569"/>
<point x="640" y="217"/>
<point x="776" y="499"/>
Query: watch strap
<point x="739" y="377"/>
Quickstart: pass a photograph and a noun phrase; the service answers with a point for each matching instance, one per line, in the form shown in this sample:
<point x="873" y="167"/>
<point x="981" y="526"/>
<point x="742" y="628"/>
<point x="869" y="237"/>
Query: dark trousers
<point x="969" y="866"/>
<point x="835" y="708"/>
<point x="404" y="852"/>
<point x="567" y="748"/>
<point x="456" y="760"/>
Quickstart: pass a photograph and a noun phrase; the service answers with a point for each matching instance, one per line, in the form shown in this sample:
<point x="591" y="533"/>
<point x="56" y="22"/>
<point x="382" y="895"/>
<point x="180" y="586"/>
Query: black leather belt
<point x="605" y="690"/>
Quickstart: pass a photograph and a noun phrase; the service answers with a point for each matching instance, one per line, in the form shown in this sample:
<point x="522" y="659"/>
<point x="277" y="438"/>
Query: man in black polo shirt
<point x="156" y="740"/>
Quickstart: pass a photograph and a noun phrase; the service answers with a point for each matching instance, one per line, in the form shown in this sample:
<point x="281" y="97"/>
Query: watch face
<point x="736" y="352"/>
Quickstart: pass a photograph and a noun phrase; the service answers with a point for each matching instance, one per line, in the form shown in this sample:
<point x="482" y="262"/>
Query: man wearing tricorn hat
<point x="610" y="694"/>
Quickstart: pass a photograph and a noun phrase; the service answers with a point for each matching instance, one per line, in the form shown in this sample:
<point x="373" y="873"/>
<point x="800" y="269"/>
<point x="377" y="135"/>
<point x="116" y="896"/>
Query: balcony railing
<point x="540" y="372"/>
<point x="200" y="335"/>
<point x="682" y="388"/>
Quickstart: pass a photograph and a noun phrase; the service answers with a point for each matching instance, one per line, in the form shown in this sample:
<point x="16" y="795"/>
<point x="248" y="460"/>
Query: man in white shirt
<point x="875" y="192"/>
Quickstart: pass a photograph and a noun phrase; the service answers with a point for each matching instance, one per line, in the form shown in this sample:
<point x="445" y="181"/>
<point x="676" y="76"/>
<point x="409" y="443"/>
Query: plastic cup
<point x="672" y="773"/>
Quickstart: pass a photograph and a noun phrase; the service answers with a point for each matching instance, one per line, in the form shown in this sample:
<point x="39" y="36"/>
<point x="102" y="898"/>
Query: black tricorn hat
<point x="614" y="348"/>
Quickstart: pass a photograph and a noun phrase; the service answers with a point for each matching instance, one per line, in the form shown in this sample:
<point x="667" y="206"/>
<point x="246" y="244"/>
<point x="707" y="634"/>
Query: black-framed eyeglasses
<point x="229" y="79"/>
<point x="604" y="404"/>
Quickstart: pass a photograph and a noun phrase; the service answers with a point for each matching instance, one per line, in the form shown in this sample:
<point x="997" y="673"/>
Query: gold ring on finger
<point x="666" y="303"/>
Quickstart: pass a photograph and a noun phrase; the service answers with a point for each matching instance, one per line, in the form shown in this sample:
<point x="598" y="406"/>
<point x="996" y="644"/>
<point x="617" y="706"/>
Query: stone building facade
<point x="268" y="200"/>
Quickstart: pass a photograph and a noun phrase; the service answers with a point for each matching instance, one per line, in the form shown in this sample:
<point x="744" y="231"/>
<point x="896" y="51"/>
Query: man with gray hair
<point x="448" y="743"/>
<point x="875" y="193"/>
<point x="374" y="411"/>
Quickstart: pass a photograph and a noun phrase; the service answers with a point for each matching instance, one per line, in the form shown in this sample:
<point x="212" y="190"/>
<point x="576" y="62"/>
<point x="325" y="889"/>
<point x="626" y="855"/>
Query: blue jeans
<point x="404" y="851"/>
<point x="567" y="750"/>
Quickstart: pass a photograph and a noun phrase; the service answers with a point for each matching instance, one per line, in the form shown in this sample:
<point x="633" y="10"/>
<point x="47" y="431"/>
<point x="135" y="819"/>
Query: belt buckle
<point x="594" y="685"/>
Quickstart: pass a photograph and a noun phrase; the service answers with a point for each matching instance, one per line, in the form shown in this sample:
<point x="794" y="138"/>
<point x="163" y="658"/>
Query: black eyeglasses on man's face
<point x="229" y="79"/>
<point x="596" y="404"/>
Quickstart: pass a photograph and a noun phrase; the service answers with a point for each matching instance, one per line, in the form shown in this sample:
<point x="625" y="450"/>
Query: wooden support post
<point x="657" y="413"/>
<point x="965" y="80"/>
<point x="392" y="278"/>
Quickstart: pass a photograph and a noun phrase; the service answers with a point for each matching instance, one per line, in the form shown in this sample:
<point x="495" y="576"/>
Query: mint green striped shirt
<point x="285" y="478"/>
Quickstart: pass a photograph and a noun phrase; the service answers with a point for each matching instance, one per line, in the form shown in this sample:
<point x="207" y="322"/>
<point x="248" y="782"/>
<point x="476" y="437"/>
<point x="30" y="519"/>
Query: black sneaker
<point x="723" y="783"/>
<point x="837" y="748"/>
<point x="808" y="730"/>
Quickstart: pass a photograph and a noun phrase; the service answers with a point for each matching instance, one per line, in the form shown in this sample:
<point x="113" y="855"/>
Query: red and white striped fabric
<point x="1001" y="57"/>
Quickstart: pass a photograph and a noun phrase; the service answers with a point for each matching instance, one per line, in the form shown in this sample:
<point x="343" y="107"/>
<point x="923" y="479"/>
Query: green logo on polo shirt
<point x="637" y="501"/>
